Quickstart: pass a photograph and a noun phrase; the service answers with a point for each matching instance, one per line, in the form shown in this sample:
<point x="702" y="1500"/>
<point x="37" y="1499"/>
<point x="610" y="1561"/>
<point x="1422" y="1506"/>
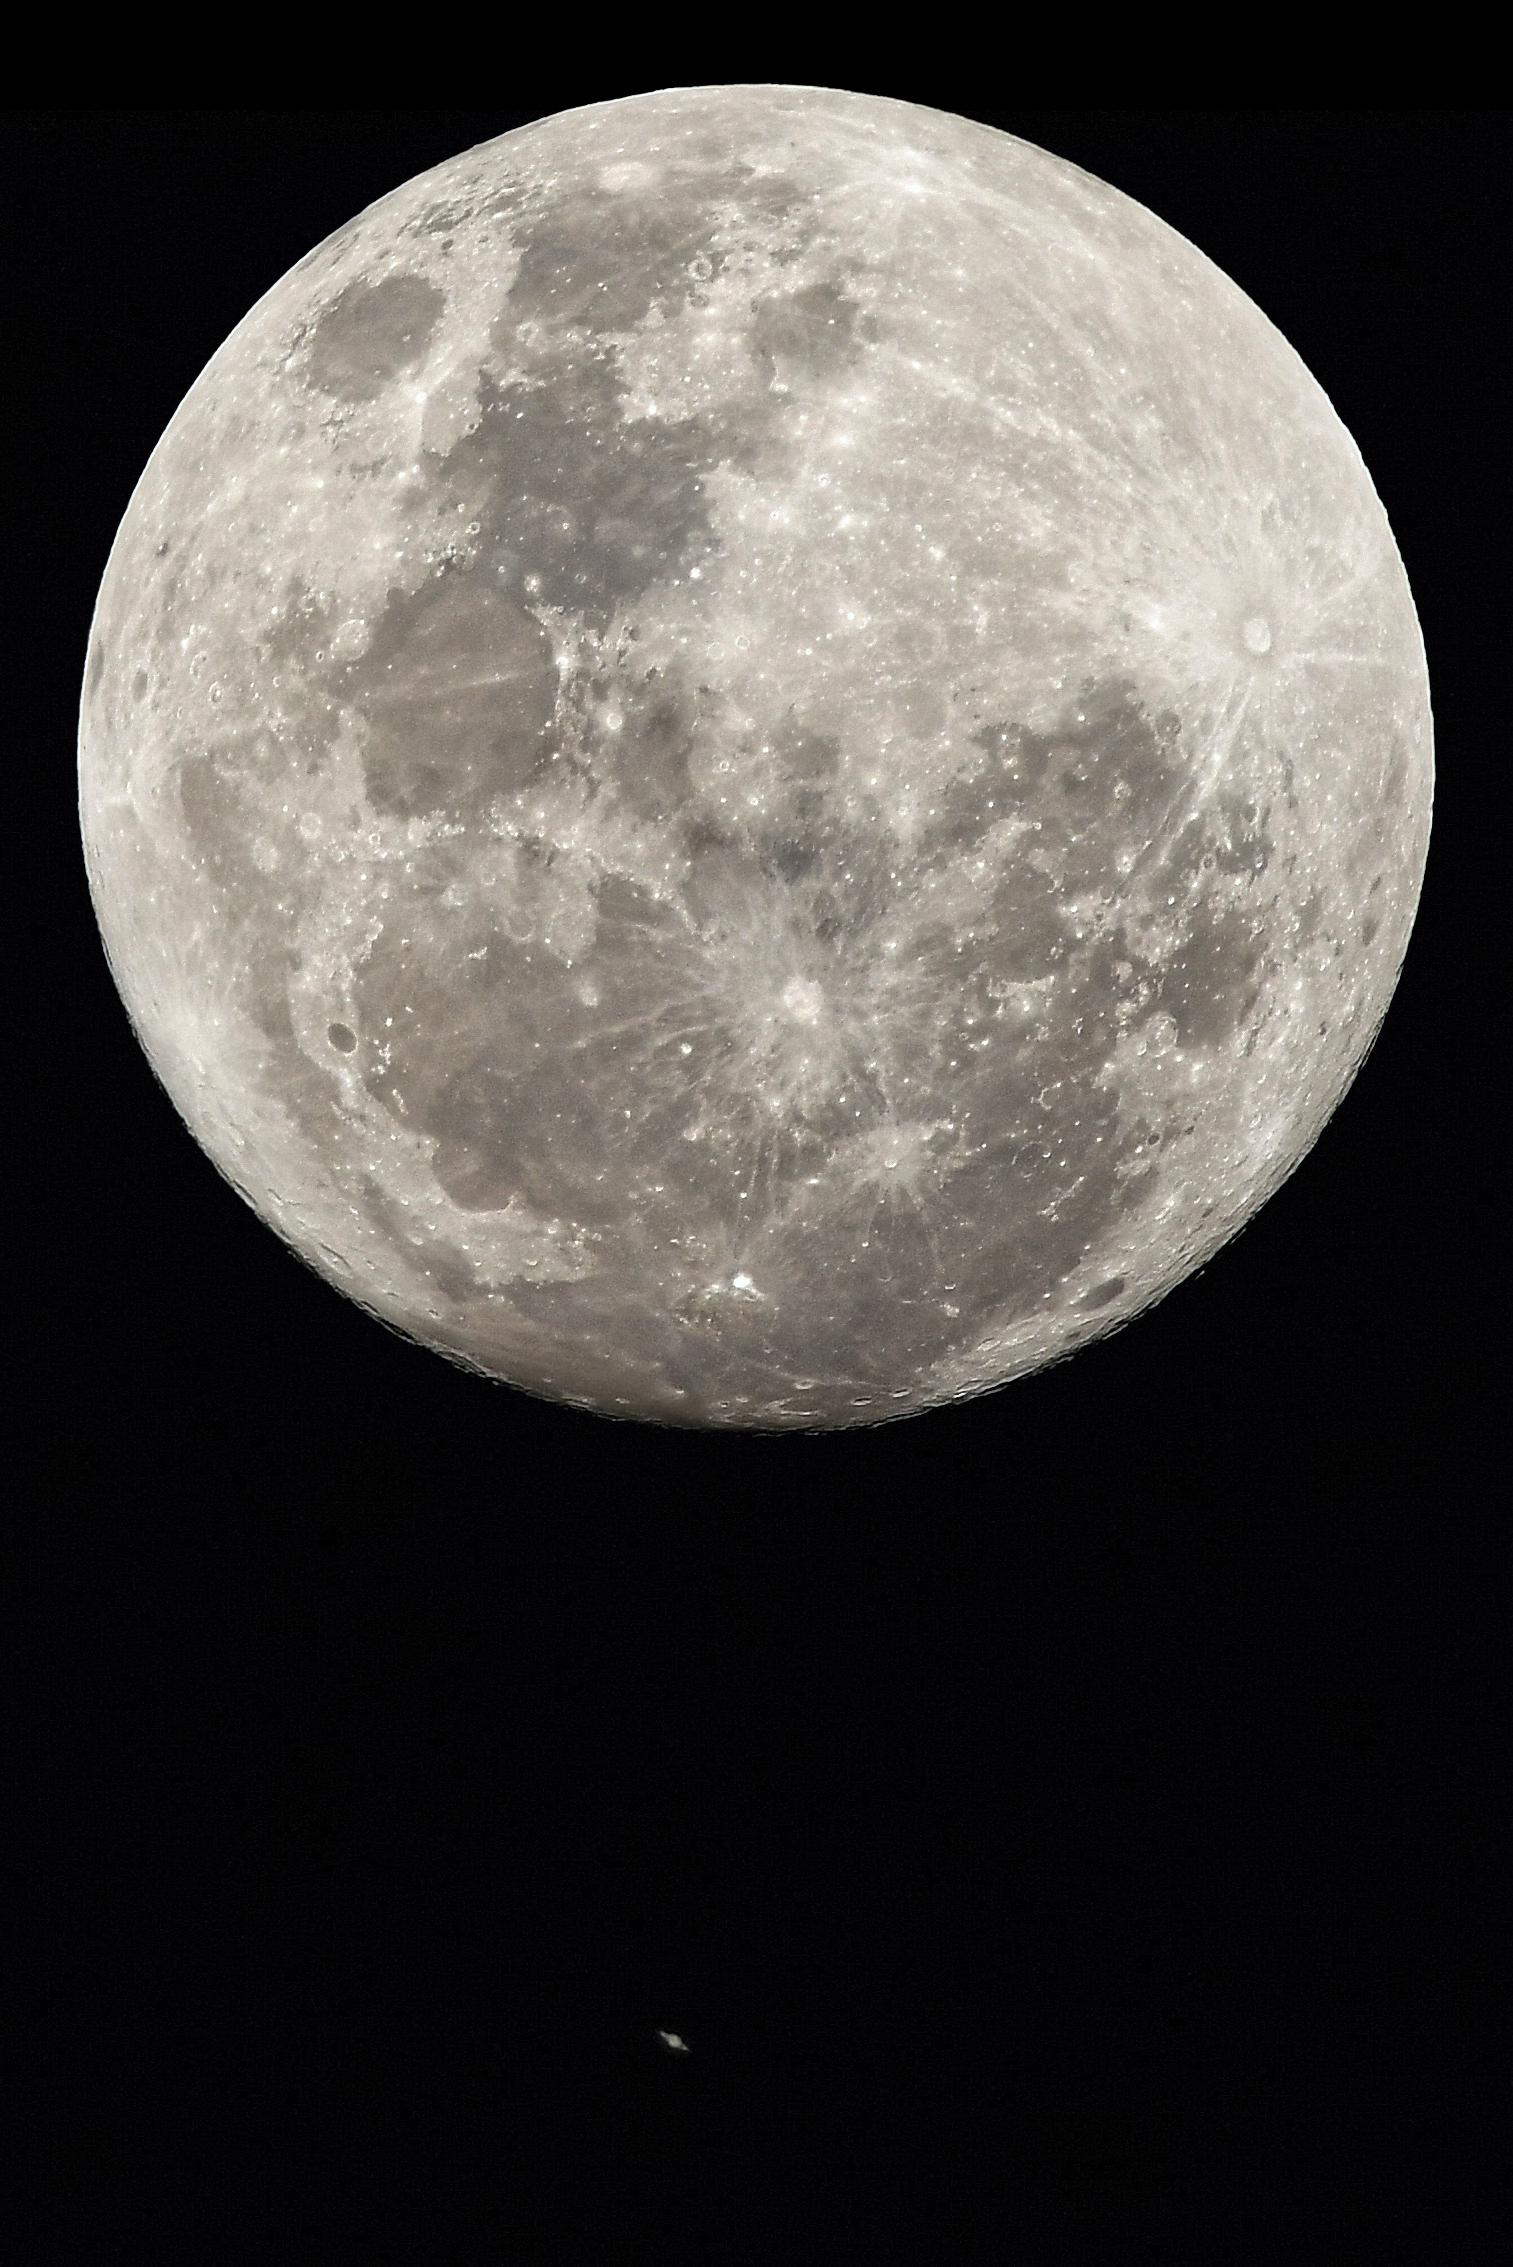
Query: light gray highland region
<point x="755" y="758"/>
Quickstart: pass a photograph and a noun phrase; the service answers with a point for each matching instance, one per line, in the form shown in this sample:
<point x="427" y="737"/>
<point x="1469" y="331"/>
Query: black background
<point x="1061" y="1825"/>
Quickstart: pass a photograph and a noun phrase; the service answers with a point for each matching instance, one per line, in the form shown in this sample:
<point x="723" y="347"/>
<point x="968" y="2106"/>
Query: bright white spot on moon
<point x="803" y="999"/>
<point x="689" y="773"/>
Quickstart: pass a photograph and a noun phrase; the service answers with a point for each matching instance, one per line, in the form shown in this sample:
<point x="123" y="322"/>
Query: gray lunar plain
<point x="755" y="758"/>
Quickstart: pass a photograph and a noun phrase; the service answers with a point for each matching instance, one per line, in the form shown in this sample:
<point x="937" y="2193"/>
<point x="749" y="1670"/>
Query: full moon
<point x="755" y="758"/>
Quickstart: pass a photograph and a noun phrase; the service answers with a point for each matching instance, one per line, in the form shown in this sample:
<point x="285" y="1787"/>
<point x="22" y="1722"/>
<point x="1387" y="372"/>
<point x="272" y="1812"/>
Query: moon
<point x="755" y="758"/>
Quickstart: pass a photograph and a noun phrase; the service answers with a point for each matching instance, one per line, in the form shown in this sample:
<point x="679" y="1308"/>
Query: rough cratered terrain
<point x="756" y="757"/>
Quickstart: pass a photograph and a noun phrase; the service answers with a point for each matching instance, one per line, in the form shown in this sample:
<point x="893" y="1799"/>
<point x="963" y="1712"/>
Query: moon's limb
<point x="755" y="757"/>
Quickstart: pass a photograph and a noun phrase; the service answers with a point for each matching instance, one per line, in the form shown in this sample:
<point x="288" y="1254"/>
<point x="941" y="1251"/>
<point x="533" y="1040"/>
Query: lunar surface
<point x="755" y="758"/>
